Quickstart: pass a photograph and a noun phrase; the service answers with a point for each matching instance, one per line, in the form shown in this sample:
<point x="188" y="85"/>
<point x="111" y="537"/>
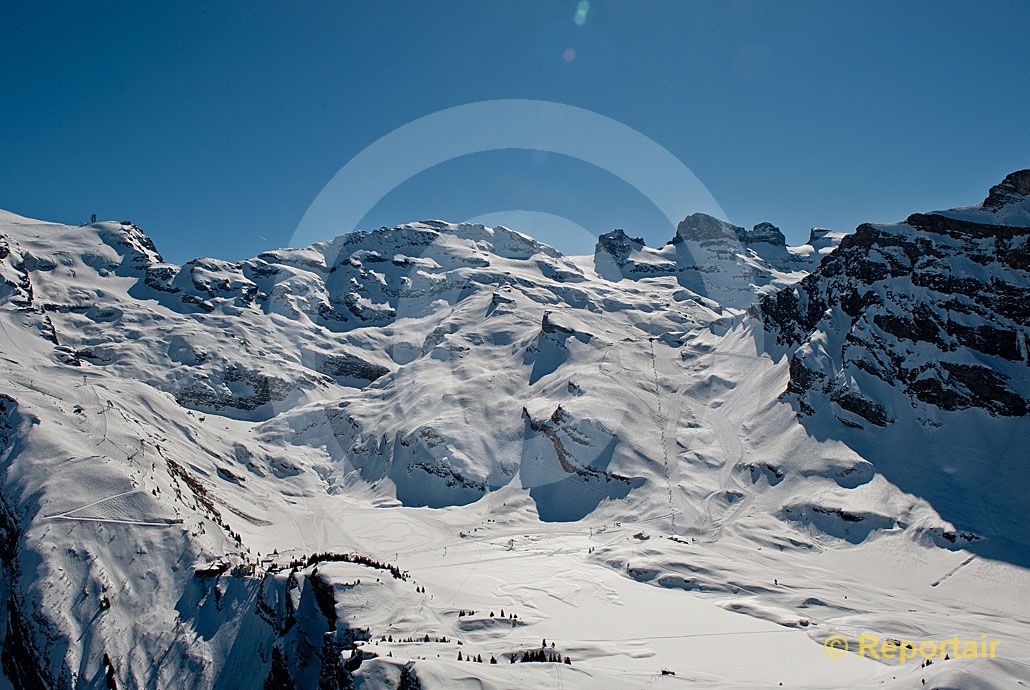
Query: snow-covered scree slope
<point x="345" y="465"/>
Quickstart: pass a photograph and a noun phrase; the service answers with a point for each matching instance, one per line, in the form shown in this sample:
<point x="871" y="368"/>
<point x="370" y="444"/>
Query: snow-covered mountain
<point x="716" y="259"/>
<point x="936" y="307"/>
<point x="335" y="466"/>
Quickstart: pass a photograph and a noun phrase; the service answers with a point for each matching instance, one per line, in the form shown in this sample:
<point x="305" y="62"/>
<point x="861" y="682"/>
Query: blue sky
<point x="215" y="125"/>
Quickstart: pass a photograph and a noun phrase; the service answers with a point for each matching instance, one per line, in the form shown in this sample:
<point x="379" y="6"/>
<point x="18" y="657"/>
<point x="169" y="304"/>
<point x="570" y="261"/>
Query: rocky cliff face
<point x="727" y="263"/>
<point x="1010" y="192"/>
<point x="935" y="308"/>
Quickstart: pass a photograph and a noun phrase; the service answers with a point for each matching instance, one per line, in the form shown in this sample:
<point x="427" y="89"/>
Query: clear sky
<point x="215" y="125"/>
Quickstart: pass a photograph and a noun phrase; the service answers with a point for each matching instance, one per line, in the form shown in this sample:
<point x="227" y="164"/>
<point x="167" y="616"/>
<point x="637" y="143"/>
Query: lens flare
<point x="582" y="9"/>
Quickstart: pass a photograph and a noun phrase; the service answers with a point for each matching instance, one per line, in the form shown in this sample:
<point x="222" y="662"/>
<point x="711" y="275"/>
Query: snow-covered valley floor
<point x="582" y="589"/>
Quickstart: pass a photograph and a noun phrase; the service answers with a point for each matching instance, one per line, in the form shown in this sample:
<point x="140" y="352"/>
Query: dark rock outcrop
<point x="936" y="307"/>
<point x="1015" y="187"/>
<point x="765" y="232"/>
<point x="347" y="365"/>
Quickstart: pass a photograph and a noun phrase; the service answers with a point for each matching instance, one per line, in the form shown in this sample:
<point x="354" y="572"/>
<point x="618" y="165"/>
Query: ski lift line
<point x="34" y="389"/>
<point x="630" y="392"/>
<point x="662" y="420"/>
<point x="662" y="431"/>
<point x="979" y="576"/>
<point x="461" y="587"/>
<point x="14" y="342"/>
<point x="724" y="354"/>
<point x="90" y="505"/>
<point x="136" y="523"/>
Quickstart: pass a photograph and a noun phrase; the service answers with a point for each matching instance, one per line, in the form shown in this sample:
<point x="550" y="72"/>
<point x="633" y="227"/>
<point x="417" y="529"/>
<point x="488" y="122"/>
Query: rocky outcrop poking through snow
<point x="714" y="258"/>
<point x="934" y="308"/>
<point x="1014" y="189"/>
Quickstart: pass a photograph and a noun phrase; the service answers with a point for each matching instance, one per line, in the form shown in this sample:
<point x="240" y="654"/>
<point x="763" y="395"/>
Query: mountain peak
<point x="765" y="232"/>
<point x="701" y="227"/>
<point x="1013" y="189"/>
<point x="1007" y="206"/>
<point x="617" y="243"/>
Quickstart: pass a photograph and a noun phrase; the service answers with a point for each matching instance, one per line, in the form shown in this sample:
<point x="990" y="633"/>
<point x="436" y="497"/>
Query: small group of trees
<point x="510" y="616"/>
<point x="478" y="658"/>
<point x="544" y="654"/>
<point x="541" y="655"/>
<point x="329" y="557"/>
<point x="426" y="638"/>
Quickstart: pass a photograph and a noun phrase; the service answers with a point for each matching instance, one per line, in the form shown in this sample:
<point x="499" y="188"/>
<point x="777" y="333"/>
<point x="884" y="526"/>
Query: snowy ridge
<point x="334" y="466"/>
<point x="935" y="306"/>
<point x="716" y="259"/>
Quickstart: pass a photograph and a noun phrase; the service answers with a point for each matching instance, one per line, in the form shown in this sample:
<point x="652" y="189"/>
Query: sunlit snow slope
<point x="334" y="466"/>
